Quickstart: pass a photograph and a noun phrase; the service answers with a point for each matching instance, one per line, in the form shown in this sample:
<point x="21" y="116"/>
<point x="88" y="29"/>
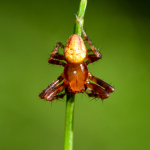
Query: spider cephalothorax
<point x="76" y="75"/>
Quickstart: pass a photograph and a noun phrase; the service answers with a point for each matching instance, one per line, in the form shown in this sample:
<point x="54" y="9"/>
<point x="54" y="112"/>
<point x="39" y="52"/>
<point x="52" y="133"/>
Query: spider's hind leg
<point x="91" y="58"/>
<point x="55" y="55"/>
<point x="98" y="55"/>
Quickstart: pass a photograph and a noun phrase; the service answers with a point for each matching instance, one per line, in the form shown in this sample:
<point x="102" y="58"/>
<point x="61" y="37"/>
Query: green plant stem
<point x="81" y="12"/>
<point x="69" y="116"/>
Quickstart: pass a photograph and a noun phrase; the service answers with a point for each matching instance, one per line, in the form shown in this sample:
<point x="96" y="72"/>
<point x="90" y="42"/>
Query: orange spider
<point x="76" y="75"/>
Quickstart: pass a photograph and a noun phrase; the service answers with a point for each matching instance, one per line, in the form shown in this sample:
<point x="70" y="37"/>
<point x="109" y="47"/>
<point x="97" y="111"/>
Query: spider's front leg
<point x="96" y="91"/>
<point x="108" y="88"/>
<point x="51" y="87"/>
<point x="53" y="93"/>
<point x="91" y="58"/>
<point x="55" y="55"/>
<point x="91" y="93"/>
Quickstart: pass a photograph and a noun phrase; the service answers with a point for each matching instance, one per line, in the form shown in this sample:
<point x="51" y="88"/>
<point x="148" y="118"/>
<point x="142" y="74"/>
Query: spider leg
<point x="53" y="93"/>
<point x="52" y="86"/>
<point x="98" y="55"/>
<point x="91" y="59"/>
<point x="91" y="93"/>
<point x="55" y="55"/>
<point x="59" y="96"/>
<point x="108" y="88"/>
<point x="96" y="91"/>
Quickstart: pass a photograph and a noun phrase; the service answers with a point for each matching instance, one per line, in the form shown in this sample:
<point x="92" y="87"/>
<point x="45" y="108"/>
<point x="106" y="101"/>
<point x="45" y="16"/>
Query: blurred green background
<point x="29" y="30"/>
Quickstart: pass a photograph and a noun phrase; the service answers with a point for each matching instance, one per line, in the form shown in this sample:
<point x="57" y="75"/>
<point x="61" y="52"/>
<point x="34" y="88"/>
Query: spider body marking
<point x="75" y="50"/>
<point x="76" y="75"/>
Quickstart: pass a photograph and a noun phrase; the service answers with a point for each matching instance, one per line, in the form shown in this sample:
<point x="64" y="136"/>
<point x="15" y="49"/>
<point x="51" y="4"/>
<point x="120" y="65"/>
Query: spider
<point x="76" y="75"/>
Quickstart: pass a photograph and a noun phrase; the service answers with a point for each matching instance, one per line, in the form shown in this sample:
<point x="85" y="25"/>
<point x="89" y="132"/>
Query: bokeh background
<point x="29" y="30"/>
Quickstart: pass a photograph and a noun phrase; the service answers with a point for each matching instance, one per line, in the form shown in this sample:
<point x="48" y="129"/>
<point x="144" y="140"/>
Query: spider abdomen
<point x="75" y="50"/>
<point x="76" y="76"/>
